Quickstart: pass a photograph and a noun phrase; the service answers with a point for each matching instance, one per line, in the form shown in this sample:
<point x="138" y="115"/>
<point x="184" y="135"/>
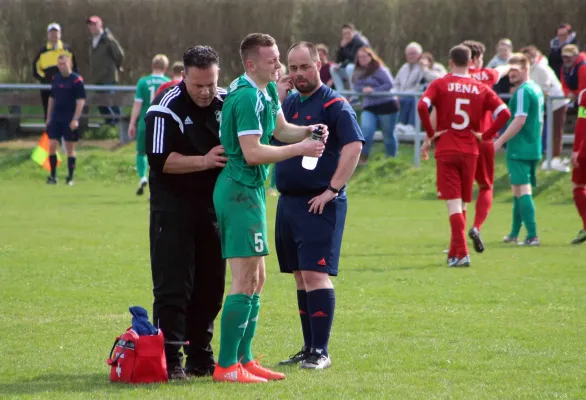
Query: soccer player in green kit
<point x="250" y="117"/>
<point x="146" y="87"/>
<point x="523" y="138"/>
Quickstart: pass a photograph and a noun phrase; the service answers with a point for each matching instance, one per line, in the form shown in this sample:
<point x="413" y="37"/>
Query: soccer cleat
<point x="316" y="360"/>
<point x="510" y="239"/>
<point x="235" y="374"/>
<point x="474" y="234"/>
<point x="460" y="262"/>
<point x="141" y="186"/>
<point x="451" y="260"/>
<point x="534" y="241"/>
<point x="296" y="358"/>
<point x="177" y="374"/>
<point x="581" y="238"/>
<point x="69" y="181"/>
<point x="253" y="367"/>
<point x="51" y="181"/>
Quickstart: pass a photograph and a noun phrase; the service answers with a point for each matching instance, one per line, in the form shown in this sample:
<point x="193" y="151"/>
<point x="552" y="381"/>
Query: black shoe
<point x="69" y="181"/>
<point x="177" y="374"/>
<point x="296" y="358"/>
<point x="51" y="181"/>
<point x="140" y="190"/>
<point x="474" y="234"/>
<point x="199" y="372"/>
<point x="316" y="360"/>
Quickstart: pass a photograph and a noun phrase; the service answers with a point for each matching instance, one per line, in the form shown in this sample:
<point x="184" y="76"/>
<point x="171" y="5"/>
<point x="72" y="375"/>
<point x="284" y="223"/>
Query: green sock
<point x="141" y="165"/>
<point x="528" y="215"/>
<point x="245" y="348"/>
<point x="517" y="220"/>
<point x="233" y="324"/>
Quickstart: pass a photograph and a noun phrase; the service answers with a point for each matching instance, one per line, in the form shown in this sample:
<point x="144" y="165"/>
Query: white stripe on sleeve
<point x="520" y="95"/>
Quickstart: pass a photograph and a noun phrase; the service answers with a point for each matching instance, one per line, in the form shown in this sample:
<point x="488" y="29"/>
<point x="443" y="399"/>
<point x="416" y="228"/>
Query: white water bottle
<point x="310" y="163"/>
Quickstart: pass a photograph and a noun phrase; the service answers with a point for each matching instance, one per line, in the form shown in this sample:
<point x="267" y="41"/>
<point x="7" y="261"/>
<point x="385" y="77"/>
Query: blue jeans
<point x="369" y="122"/>
<point x="341" y="75"/>
<point x="407" y="111"/>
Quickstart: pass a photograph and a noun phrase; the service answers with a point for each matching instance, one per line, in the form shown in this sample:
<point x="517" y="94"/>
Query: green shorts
<point x="140" y="140"/>
<point x="522" y="172"/>
<point x="242" y="218"/>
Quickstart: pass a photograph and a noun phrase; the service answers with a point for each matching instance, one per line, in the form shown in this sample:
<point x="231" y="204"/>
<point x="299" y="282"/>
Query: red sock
<point x="483" y="205"/>
<point x="580" y="201"/>
<point x="464" y="214"/>
<point x="458" y="224"/>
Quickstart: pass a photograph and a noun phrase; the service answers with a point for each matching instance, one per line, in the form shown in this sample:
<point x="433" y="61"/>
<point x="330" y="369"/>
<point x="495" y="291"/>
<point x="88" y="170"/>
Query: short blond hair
<point x="160" y="61"/>
<point x="520" y="59"/>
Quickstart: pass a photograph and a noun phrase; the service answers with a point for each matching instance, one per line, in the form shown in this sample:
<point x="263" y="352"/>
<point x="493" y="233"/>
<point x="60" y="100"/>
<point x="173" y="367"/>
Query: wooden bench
<point x="14" y="101"/>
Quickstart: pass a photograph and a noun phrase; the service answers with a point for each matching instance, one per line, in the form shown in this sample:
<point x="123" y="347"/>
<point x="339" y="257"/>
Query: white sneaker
<point x="558" y="165"/>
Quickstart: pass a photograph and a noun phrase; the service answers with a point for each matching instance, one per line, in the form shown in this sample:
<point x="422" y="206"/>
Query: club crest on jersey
<point x="463" y="88"/>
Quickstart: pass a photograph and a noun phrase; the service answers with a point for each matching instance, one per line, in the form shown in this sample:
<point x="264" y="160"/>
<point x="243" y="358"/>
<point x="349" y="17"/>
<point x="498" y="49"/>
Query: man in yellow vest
<point x="45" y="63"/>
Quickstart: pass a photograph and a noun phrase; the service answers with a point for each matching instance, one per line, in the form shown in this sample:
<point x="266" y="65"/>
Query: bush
<point x="146" y="27"/>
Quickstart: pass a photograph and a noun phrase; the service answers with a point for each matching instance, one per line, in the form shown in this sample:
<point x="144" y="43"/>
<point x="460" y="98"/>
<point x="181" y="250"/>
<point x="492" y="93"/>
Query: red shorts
<point x="455" y="176"/>
<point x="485" y="165"/>
<point x="579" y="174"/>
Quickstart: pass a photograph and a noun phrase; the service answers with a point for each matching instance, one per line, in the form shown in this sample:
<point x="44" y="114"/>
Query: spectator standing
<point x="542" y="74"/>
<point x="106" y="56"/>
<point x="430" y="66"/>
<point x="326" y="65"/>
<point x="504" y="50"/>
<point x="371" y="76"/>
<point x="350" y="42"/>
<point x="412" y="77"/>
<point x="177" y="71"/>
<point x="564" y="36"/>
<point x="45" y="63"/>
<point x="573" y="73"/>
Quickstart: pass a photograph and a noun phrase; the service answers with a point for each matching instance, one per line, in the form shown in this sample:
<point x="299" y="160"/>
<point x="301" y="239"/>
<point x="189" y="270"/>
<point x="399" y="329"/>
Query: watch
<point x="333" y="189"/>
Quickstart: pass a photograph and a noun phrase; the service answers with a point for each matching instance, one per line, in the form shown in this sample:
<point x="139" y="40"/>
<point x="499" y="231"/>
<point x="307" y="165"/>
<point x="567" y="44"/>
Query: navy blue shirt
<point x="65" y="93"/>
<point x="326" y="107"/>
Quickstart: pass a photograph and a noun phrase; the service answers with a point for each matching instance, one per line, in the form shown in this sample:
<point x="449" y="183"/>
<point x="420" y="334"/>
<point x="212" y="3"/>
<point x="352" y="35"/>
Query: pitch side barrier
<point x="16" y="96"/>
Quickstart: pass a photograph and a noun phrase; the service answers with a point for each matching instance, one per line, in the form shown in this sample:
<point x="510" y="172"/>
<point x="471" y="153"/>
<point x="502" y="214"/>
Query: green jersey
<point x="247" y="111"/>
<point x="527" y="101"/>
<point x="146" y="87"/>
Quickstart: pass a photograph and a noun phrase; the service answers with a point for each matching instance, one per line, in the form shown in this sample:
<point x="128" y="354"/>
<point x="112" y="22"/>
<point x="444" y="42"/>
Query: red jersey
<point x="167" y="85"/>
<point x="490" y="77"/>
<point x="461" y="104"/>
<point x="580" y="130"/>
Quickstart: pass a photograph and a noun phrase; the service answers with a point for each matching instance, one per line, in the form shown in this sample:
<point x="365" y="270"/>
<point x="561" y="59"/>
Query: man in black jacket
<point x="350" y="42"/>
<point x="564" y="36"/>
<point x="185" y="158"/>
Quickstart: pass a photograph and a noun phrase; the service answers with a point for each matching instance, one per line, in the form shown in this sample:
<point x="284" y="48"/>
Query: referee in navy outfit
<point x="311" y="211"/>
<point x="185" y="158"/>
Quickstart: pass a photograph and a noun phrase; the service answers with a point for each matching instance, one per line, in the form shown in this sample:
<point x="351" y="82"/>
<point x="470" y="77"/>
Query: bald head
<point x="304" y="65"/>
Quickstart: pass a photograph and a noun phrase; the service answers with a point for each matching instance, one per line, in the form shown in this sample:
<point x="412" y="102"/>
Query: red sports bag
<point x="138" y="359"/>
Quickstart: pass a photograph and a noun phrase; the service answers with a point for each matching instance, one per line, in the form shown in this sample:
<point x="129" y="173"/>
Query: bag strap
<point x="115" y="360"/>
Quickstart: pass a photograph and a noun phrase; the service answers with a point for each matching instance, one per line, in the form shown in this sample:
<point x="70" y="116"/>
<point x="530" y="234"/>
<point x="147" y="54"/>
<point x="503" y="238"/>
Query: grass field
<point x="73" y="259"/>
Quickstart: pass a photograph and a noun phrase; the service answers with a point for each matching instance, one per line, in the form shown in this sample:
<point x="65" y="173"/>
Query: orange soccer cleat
<point x="235" y="374"/>
<point x="254" y="367"/>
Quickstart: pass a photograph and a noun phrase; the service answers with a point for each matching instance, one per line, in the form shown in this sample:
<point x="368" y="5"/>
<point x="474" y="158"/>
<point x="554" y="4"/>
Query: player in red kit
<point x="579" y="164"/>
<point x="461" y="103"/>
<point x="484" y="176"/>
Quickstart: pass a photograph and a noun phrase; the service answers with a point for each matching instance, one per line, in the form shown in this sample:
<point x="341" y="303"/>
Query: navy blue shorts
<point x="307" y="241"/>
<point x="60" y="129"/>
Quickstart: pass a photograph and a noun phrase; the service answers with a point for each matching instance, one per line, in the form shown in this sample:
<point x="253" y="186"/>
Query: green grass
<point x="72" y="259"/>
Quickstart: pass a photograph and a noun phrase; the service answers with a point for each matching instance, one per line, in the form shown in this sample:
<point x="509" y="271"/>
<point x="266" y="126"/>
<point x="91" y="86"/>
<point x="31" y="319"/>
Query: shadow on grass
<point x="14" y="158"/>
<point x="77" y="383"/>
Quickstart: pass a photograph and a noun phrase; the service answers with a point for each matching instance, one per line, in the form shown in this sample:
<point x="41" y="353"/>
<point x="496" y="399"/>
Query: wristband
<point x="333" y="189"/>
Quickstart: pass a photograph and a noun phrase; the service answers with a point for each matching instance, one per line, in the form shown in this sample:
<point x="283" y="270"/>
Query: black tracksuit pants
<point x="188" y="278"/>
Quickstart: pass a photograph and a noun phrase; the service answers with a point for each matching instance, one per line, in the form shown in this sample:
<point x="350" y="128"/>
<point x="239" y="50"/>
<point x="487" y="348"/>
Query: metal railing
<point x="416" y="95"/>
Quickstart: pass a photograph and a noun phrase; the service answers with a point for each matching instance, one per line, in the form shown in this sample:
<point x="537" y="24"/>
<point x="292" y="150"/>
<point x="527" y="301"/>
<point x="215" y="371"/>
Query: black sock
<point x="304" y="315"/>
<point x="71" y="166"/>
<point x="53" y="164"/>
<point x="321" y="304"/>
